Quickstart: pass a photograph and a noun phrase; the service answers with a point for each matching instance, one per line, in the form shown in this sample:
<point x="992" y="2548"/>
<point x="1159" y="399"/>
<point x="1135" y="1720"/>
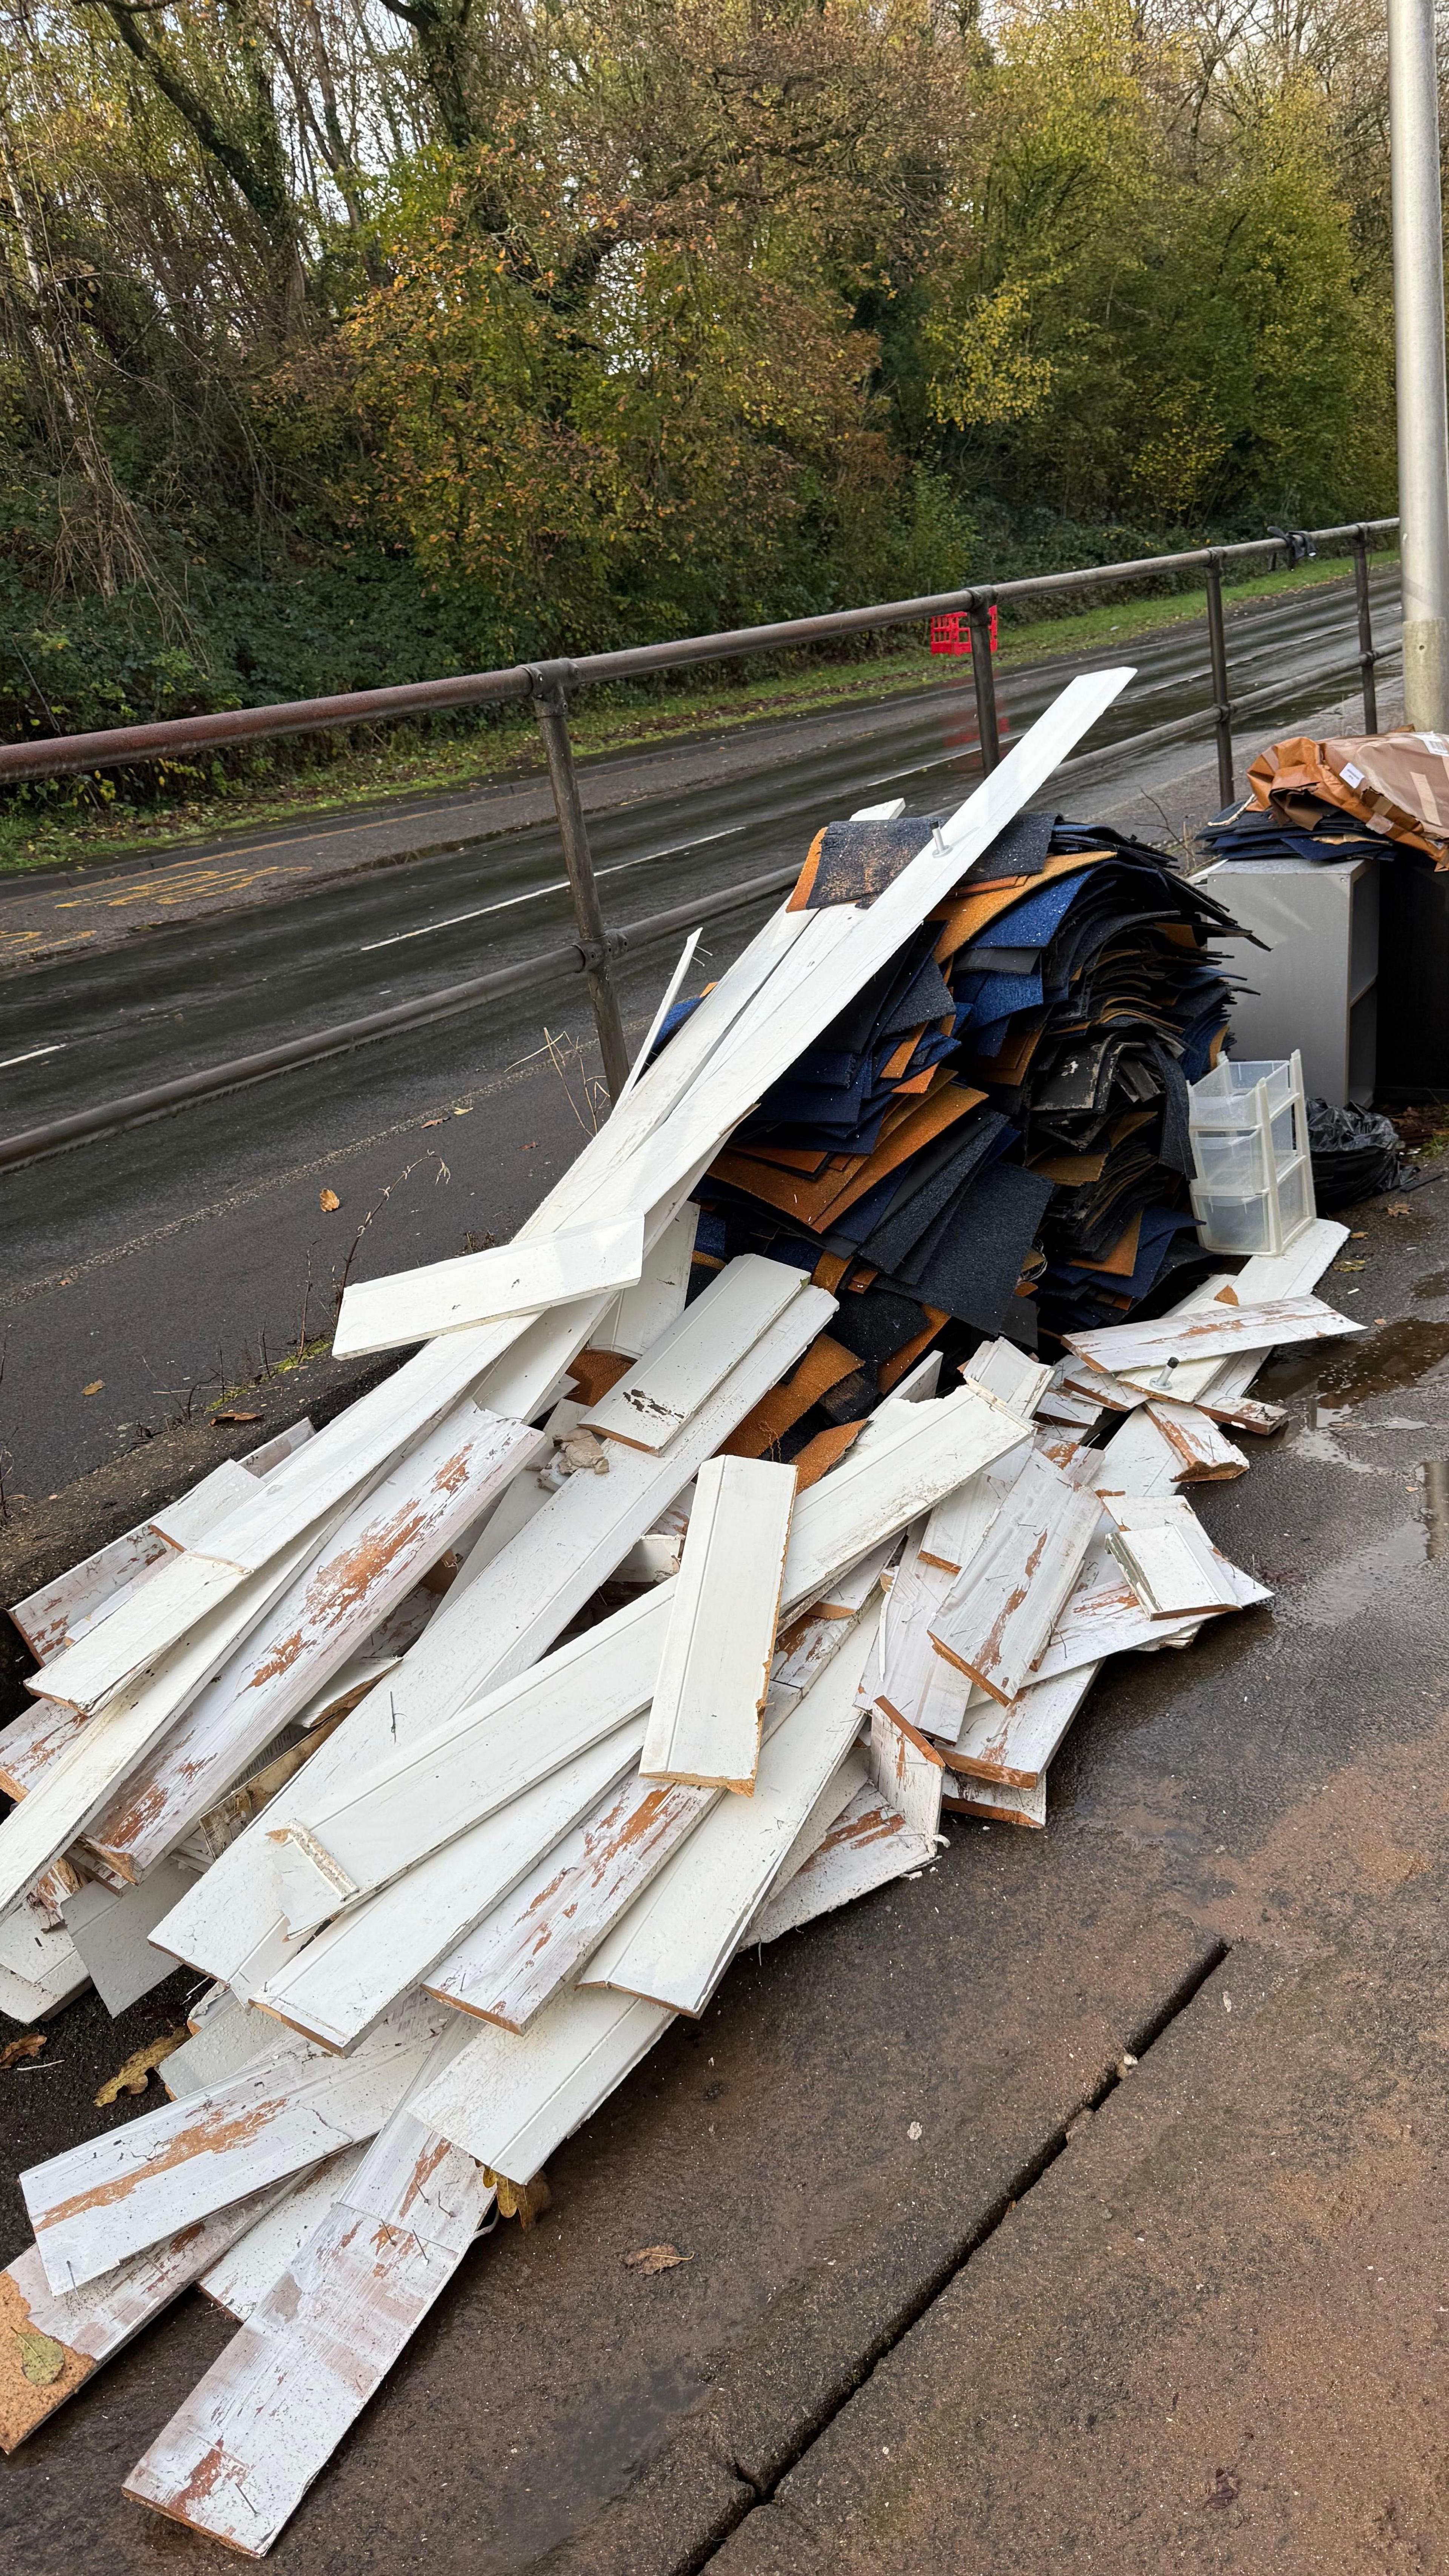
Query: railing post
<point x="978" y="618"/>
<point x="1218" y="654"/>
<point x="1367" y="657"/>
<point x="550" y="704"/>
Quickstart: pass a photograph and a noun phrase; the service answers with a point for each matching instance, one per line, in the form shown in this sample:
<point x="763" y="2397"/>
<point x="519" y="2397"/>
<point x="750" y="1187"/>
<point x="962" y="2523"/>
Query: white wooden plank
<point x="678" y="1937"/>
<point x="1098" y="1387"/>
<point x="919" y="1383"/>
<point x="1104" y="1616"/>
<point x="1002" y="1608"/>
<point x="40" y="1967"/>
<point x="344" y="1688"/>
<point x="926" y="1451"/>
<point x="1055" y="1404"/>
<point x="111" y="1933"/>
<point x="511" y="2101"/>
<point x="704" y="1722"/>
<point x="1206" y="1457"/>
<point x="112" y="2195"/>
<point x="514" y="1962"/>
<point x="526" y="1495"/>
<point x="345" y="1842"/>
<point x="336" y="1986"/>
<point x="846" y="944"/>
<point x="907" y="1770"/>
<point x="1018" y="1380"/>
<point x="664" y="1006"/>
<point x="236" y="2459"/>
<point x="1266" y="1275"/>
<point x="652" y="1559"/>
<point x="664" y="1390"/>
<point x="368" y="1566"/>
<point x="63" y="1612"/>
<point x="256" y="2261"/>
<point x="72" y="2337"/>
<point x="641" y="1314"/>
<point x="226" y="2041"/>
<point x="33" y="1741"/>
<point x="868" y="1844"/>
<point x="189" y="1518"/>
<point x="1138" y="1459"/>
<point x="849" y="1776"/>
<point x="992" y="1802"/>
<point x="291" y="1507"/>
<point x="79" y="1599"/>
<point x="1014" y="1745"/>
<point x="1221" y="1403"/>
<point x="907" y="1656"/>
<point x="1171" y="1562"/>
<point x="1064" y="1449"/>
<point x="1212" y="1331"/>
<point x="519" y="1278"/>
<point x="81" y="1781"/>
<point x="959" y="1526"/>
<point x="848" y="1592"/>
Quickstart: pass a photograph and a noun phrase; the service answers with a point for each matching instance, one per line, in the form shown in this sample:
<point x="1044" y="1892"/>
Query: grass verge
<point x="100" y="826"/>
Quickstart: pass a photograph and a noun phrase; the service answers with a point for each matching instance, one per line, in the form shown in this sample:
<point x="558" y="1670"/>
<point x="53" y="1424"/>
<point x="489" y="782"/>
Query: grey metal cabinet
<point x="1317" y="987"/>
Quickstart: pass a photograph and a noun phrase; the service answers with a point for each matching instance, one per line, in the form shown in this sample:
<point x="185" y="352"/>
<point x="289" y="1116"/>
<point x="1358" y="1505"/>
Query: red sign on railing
<point x="952" y="633"/>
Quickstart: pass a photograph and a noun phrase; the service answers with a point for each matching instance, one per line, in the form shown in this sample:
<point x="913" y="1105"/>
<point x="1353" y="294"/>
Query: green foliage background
<point x="348" y="341"/>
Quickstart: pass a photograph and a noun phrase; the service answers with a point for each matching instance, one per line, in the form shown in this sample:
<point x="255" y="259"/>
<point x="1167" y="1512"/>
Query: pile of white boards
<point x="462" y="1745"/>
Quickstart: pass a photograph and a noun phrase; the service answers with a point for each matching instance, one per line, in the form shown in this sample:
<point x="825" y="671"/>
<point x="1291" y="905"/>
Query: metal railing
<point x="548" y="686"/>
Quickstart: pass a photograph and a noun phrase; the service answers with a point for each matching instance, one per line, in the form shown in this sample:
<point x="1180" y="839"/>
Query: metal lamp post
<point x="1423" y="414"/>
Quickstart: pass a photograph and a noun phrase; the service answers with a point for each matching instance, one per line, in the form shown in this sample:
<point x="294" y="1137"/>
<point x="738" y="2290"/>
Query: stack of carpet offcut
<point x="993" y="1137"/>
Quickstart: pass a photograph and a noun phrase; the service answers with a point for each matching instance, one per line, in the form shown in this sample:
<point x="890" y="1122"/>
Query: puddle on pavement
<point x="1436" y="1284"/>
<point x="1402" y="1354"/>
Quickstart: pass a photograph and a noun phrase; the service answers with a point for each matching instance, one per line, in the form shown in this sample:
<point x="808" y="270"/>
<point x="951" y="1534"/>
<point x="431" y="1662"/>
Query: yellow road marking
<point x="170" y="888"/>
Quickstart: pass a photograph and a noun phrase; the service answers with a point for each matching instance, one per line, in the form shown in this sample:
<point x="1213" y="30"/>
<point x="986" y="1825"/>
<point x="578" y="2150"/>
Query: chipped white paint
<point x="1002" y="1608"/>
<point x="868" y="1844"/>
<point x="96" y="2322"/>
<point x="237" y="2458"/>
<point x="678" y="1937"/>
<point x="115" y="2194"/>
<point x="679" y="1372"/>
<point x="336" y="1986"/>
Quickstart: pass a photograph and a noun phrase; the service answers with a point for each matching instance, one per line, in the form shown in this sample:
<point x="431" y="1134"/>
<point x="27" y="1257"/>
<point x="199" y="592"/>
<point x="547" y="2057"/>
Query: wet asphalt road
<point x="165" y="1259"/>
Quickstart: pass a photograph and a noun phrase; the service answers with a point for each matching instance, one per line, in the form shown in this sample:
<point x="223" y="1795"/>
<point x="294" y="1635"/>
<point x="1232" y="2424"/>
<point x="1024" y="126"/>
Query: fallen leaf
<point x="42" y="2359"/>
<point x="328" y="1201"/>
<point x="234" y="1416"/>
<point x="1224" y="2490"/>
<point x="464" y="1113"/>
<point x="525" y="2201"/>
<point x="655" y="2258"/>
<point x="132" y="2077"/>
<point x="1400" y="1207"/>
<point x="1359" y="1234"/>
<point x="15" y="2049"/>
<point x="95" y="1386"/>
<point x="1350" y="1265"/>
<point x="432" y="1122"/>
